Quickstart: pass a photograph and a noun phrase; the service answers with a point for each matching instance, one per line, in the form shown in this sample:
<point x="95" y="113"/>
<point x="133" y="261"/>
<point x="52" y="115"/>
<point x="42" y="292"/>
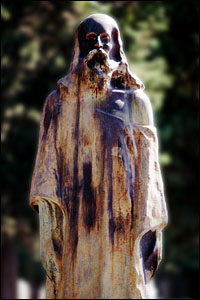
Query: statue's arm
<point x="44" y="197"/>
<point x="141" y="109"/>
<point x="44" y="182"/>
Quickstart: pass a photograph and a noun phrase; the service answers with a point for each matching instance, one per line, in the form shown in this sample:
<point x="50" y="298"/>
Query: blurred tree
<point x="161" y="42"/>
<point x="179" y="138"/>
<point x="35" y="54"/>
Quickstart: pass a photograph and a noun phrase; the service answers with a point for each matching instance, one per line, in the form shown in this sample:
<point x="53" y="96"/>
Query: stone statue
<point x="97" y="184"/>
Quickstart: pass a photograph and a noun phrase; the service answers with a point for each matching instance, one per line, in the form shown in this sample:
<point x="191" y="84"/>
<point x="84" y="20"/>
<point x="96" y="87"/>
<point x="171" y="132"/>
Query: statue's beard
<point x="97" y="61"/>
<point x="100" y="68"/>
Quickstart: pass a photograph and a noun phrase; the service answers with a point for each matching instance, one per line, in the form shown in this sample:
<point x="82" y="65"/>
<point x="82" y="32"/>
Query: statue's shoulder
<point x="67" y="82"/>
<point x="53" y="97"/>
<point x="141" y="108"/>
<point x="52" y="102"/>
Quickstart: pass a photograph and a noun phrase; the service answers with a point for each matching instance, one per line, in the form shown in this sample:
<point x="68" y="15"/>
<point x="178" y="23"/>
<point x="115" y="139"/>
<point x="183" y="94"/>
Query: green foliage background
<point x="161" y="43"/>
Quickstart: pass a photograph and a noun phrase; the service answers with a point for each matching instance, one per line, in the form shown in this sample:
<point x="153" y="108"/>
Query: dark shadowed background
<point x="161" y="43"/>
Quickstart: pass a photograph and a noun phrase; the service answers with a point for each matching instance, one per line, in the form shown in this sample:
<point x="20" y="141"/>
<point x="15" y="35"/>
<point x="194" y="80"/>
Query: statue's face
<point x="98" y="41"/>
<point x="100" y="33"/>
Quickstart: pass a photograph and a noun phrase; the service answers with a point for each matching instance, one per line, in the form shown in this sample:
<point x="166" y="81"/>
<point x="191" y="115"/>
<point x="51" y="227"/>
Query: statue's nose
<point x="98" y="44"/>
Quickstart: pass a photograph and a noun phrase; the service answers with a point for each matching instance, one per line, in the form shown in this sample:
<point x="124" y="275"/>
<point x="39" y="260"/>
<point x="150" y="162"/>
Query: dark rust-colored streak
<point x="74" y="207"/>
<point x="89" y="202"/>
<point x="59" y="174"/>
<point x="47" y="120"/>
<point x="57" y="109"/>
<point x="52" y="110"/>
<point x="67" y="190"/>
<point x="128" y="170"/>
<point x="110" y="134"/>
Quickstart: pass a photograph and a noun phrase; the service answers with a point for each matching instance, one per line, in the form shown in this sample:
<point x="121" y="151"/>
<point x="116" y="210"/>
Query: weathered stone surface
<point x="97" y="183"/>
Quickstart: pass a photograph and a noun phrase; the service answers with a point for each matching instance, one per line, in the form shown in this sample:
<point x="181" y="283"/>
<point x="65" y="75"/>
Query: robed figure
<point x="97" y="184"/>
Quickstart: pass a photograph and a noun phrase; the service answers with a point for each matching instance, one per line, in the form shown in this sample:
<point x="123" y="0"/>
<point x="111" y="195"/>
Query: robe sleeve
<point x="46" y="190"/>
<point x="150" y="207"/>
<point x="151" y="199"/>
<point x="46" y="180"/>
<point x="151" y="210"/>
<point x="150" y="192"/>
<point x="52" y="239"/>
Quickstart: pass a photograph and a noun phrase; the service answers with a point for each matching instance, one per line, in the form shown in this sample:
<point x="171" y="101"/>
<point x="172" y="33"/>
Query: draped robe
<point x="97" y="186"/>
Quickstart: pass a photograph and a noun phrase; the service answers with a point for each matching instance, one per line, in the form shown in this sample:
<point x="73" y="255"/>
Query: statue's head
<point x="100" y="32"/>
<point x="98" y="50"/>
<point x="98" y="36"/>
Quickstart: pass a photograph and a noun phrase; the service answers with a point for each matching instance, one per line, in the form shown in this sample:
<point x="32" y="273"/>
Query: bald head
<point x="102" y="20"/>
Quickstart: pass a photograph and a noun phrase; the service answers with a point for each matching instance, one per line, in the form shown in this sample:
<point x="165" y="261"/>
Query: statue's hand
<point x="132" y="105"/>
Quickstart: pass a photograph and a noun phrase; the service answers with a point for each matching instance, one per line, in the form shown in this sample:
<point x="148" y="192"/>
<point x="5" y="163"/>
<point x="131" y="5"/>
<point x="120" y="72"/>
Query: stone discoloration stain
<point x="89" y="200"/>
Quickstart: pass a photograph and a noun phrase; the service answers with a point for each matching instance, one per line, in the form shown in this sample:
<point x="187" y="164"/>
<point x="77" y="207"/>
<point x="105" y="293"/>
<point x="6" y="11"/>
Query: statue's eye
<point x="91" y="36"/>
<point x="105" y="37"/>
